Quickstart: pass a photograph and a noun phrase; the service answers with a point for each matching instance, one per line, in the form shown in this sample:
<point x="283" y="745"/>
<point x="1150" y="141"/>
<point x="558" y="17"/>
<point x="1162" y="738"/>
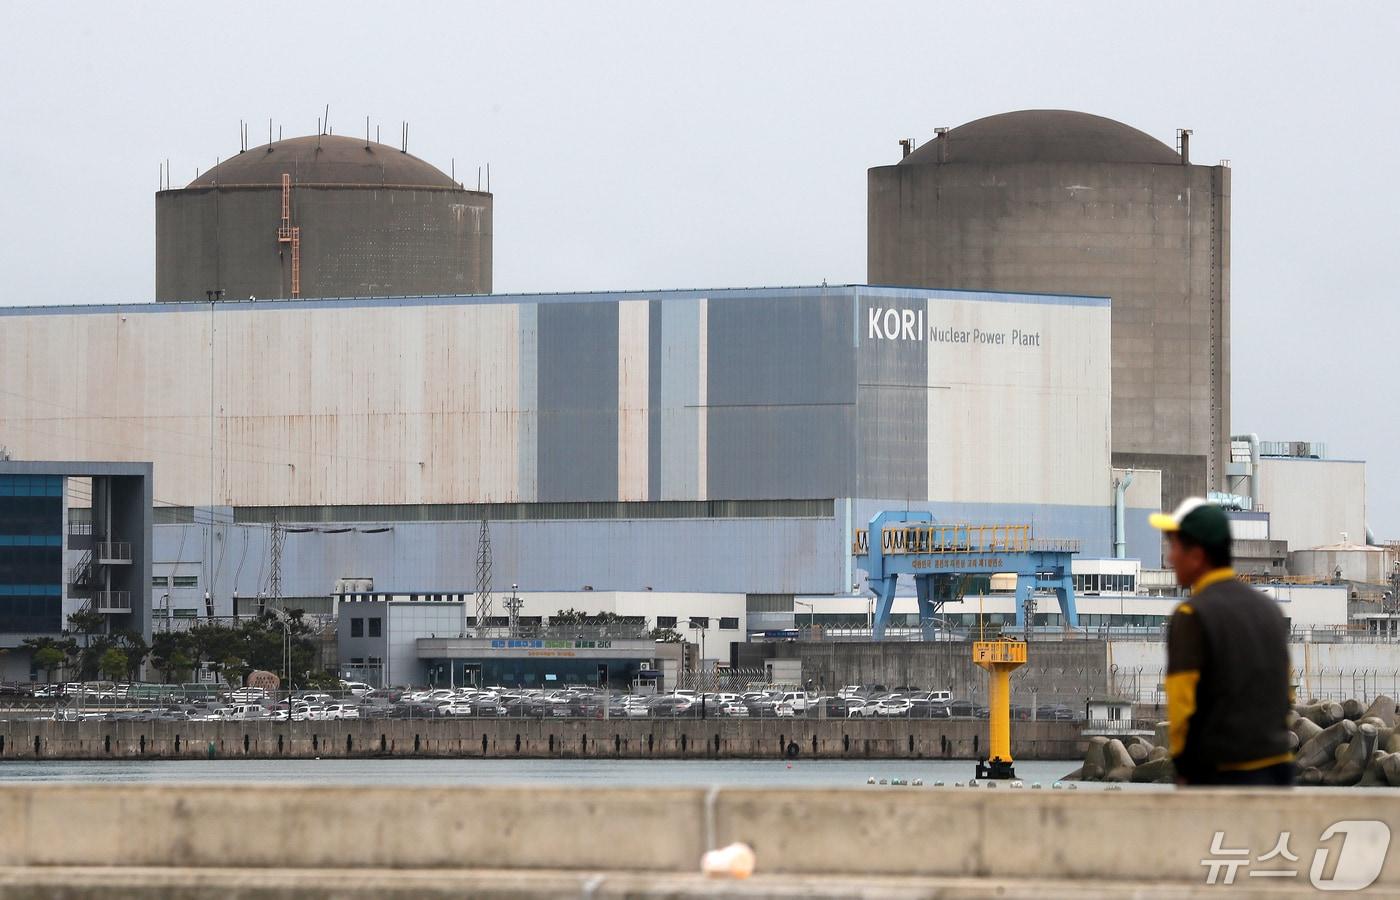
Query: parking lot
<point x="144" y="702"/>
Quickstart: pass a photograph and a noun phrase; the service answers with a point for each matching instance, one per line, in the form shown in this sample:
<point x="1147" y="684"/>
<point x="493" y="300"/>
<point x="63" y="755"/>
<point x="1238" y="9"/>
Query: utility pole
<point x="483" y="580"/>
<point x="274" y="581"/>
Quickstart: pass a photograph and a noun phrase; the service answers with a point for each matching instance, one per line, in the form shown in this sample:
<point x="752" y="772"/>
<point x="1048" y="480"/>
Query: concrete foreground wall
<point x="533" y="738"/>
<point x="592" y="842"/>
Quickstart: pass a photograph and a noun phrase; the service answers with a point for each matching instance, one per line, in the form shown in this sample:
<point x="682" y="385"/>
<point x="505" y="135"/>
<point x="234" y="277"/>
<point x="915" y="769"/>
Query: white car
<point x="735" y="710"/>
<point x="849" y="691"/>
<point x="893" y="706"/>
<point x="356" y="688"/>
<point x="341" y="711"/>
<point x="454" y="708"/>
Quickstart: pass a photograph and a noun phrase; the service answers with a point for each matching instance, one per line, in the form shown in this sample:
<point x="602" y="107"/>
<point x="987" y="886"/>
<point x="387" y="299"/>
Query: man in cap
<point x="1227" y="661"/>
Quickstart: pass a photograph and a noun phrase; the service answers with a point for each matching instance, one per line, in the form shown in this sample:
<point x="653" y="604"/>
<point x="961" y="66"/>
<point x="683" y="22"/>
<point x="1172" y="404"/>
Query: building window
<point x="186" y="613"/>
<point x="665" y="621"/>
<point x="160" y="581"/>
<point x="376" y="662"/>
<point x="729" y="623"/>
<point x="357" y="627"/>
<point x="184" y="581"/>
<point x="699" y="621"/>
<point x="375" y="626"/>
<point x="357" y="661"/>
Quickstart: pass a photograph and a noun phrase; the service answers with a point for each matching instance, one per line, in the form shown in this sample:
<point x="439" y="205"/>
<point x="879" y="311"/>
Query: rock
<point x="1393" y="744"/>
<point x="1095" y="765"/>
<point x="1382" y="708"/>
<point x="1162" y="735"/>
<point x="1310" y="775"/>
<point x="1324" y="714"/>
<point x="1340" y="752"/>
<point x="1319" y="751"/>
<point x="1351" y="765"/>
<point x="1153" y="771"/>
<point x="1118" y="764"/>
<point x="1292" y="742"/>
<point x="1353" y="709"/>
<point x="1158" y="753"/>
<point x="1138" y="753"/>
<point x="1390" y="767"/>
<point x="1373" y="776"/>
<point x="1305" y="728"/>
<point x="1076" y="775"/>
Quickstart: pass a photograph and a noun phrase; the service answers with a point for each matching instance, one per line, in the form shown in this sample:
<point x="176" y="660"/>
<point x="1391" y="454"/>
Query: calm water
<point x="556" y="773"/>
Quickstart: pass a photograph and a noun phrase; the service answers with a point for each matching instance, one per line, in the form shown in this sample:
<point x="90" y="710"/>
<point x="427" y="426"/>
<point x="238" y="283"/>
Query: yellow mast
<point x="999" y="658"/>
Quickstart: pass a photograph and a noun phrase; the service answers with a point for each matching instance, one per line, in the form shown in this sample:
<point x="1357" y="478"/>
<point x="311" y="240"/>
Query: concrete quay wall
<point x="534" y="738"/>
<point x="98" y="840"/>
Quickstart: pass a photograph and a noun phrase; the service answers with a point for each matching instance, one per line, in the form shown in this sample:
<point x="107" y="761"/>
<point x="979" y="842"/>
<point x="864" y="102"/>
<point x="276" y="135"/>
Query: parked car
<point x="337" y="711"/>
<point x="798" y="699"/>
<point x="850" y="690"/>
<point x="893" y="706"/>
<point x="735" y="710"/>
<point x="356" y="688"/>
<point x="669" y="705"/>
<point x="1056" y="712"/>
<point x="835" y="707"/>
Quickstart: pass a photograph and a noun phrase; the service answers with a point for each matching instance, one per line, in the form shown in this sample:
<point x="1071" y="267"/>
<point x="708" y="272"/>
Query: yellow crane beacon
<point x="999" y="658"/>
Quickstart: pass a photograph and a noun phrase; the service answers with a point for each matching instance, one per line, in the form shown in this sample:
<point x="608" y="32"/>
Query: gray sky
<point x="724" y="144"/>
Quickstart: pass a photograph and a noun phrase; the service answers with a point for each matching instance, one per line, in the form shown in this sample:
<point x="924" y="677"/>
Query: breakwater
<point x="532" y="739"/>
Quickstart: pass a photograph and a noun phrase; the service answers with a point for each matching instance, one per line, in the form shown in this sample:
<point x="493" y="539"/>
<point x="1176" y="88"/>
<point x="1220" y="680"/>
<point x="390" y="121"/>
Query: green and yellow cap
<point x="1203" y="522"/>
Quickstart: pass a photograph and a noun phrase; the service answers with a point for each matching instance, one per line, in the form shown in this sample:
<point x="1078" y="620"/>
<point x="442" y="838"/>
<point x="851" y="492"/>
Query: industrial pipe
<point x="1253" y="440"/>
<point x="1120" y="528"/>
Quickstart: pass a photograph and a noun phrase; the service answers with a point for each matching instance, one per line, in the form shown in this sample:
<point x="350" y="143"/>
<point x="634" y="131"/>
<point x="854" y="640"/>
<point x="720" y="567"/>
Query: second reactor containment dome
<point x="322" y="216"/>
<point x="1056" y="201"/>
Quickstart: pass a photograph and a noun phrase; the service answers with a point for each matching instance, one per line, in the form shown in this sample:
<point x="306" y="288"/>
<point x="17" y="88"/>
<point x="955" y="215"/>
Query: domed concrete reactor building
<point x="322" y="216"/>
<point x="1055" y="201"/>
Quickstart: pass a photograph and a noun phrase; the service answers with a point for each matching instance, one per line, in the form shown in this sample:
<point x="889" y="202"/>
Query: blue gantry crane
<point x="937" y="556"/>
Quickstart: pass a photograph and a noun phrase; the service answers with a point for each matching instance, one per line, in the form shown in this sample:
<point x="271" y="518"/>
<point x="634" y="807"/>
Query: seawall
<point x="533" y="739"/>
<point x="286" y="841"/>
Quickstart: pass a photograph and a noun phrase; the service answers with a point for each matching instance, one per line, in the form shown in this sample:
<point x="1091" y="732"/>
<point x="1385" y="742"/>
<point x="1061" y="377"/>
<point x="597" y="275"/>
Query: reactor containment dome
<point x="322" y="216"/>
<point x="1057" y="201"/>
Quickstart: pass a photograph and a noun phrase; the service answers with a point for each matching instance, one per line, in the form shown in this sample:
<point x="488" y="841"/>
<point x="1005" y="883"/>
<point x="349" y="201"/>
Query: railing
<point x="112" y="601"/>
<point x="79" y="529"/>
<point x="932" y="539"/>
<point x="113" y="552"/>
<point x="81" y="575"/>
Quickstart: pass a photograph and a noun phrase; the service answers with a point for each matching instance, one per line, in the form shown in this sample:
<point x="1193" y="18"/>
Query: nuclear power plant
<point x="1065" y="202"/>
<point x="339" y="410"/>
<point x="322" y="216"/>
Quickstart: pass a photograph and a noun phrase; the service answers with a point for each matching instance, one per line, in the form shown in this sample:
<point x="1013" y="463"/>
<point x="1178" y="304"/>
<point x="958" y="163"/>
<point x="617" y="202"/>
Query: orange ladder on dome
<point x="290" y="234"/>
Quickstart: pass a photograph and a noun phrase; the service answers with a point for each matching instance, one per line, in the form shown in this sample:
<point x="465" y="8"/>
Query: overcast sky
<point x="715" y="144"/>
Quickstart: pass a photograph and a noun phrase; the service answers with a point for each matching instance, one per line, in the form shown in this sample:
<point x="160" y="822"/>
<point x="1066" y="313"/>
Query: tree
<point x="87" y="622"/>
<point x="113" y="664"/>
<point x="666" y="635"/>
<point x="134" y="645"/>
<point x="48" y="659"/>
<point x="171" y="654"/>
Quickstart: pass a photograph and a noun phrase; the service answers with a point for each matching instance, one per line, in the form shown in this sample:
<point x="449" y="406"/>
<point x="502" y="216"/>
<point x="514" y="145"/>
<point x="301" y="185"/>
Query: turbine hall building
<point x="721" y="442"/>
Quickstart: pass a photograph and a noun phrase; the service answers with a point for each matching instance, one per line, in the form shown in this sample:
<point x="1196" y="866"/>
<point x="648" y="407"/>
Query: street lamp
<point x="811" y="615"/>
<point x="286" y="622"/>
<point x="698" y="625"/>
